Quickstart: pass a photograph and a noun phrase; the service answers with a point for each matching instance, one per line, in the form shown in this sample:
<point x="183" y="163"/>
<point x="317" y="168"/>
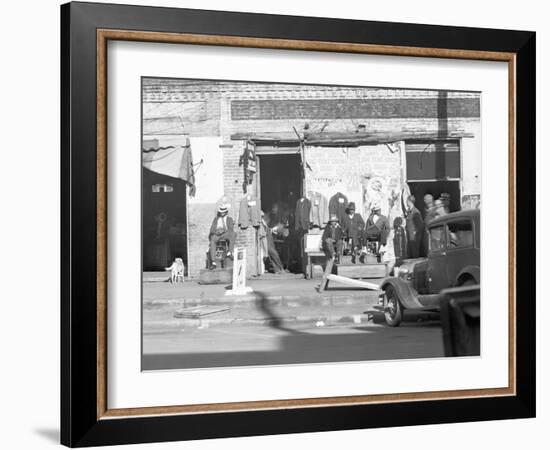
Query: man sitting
<point x="221" y="229"/>
<point x="377" y="228"/>
<point x="352" y="227"/>
<point x="332" y="238"/>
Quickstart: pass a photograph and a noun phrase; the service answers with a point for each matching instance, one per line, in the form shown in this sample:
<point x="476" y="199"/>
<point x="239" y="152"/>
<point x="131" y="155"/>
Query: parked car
<point x="452" y="260"/>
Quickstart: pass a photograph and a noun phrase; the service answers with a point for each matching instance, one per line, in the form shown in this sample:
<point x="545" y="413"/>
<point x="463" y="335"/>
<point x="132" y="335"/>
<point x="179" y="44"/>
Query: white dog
<point x="177" y="269"/>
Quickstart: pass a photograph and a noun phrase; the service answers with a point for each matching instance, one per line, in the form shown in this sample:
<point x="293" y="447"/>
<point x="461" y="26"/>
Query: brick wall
<point x="199" y="218"/>
<point x="233" y="178"/>
<point x="354" y="108"/>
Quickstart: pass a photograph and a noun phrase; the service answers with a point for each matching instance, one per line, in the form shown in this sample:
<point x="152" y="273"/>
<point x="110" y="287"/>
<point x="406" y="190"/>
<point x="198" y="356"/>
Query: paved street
<point x="260" y="344"/>
<point x="280" y="329"/>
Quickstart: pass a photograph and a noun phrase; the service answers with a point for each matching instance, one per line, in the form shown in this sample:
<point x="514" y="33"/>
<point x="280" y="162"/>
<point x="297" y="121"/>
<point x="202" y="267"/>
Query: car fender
<point x="471" y="271"/>
<point x="407" y="294"/>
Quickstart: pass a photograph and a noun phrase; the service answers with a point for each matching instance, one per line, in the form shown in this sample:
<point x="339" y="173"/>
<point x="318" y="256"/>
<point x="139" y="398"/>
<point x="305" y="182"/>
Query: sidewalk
<point x="284" y="290"/>
<point x="276" y="301"/>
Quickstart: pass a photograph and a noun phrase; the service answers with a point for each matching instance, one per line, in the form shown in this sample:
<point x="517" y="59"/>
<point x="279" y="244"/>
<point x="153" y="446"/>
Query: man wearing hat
<point x="352" y="227"/>
<point x="332" y="238"/>
<point x="221" y="229"/>
<point x="377" y="227"/>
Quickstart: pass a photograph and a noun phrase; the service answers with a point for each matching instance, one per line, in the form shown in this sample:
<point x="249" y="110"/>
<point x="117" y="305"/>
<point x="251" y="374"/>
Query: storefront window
<point x="161" y="187"/>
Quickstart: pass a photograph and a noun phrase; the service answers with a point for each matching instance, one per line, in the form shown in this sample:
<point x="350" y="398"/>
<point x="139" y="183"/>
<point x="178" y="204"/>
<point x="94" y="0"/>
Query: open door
<point x="279" y="186"/>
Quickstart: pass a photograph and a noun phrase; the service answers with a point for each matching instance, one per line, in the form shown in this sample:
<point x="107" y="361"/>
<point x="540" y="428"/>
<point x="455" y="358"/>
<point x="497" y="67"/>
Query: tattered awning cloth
<point x="174" y="161"/>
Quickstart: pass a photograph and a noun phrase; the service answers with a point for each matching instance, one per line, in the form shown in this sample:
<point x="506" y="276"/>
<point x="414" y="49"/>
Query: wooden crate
<point x="216" y="276"/>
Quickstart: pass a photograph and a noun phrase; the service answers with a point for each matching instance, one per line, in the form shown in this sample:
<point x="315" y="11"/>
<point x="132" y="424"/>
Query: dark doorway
<point x="281" y="184"/>
<point x="280" y="189"/>
<point x="164" y="220"/>
<point x="433" y="167"/>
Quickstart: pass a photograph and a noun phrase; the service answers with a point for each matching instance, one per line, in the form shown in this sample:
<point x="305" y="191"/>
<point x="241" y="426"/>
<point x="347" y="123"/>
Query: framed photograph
<point x="277" y="224"/>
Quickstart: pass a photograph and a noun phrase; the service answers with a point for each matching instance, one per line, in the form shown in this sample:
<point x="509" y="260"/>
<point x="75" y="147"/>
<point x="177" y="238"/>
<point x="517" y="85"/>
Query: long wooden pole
<point x="352" y="282"/>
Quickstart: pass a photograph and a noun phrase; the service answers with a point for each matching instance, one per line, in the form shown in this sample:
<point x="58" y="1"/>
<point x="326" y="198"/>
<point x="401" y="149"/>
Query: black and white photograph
<point x="274" y="225"/>
<point x="305" y="223"/>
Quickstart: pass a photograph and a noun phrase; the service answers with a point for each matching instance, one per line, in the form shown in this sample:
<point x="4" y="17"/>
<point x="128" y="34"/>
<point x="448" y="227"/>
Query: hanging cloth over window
<point x="173" y="161"/>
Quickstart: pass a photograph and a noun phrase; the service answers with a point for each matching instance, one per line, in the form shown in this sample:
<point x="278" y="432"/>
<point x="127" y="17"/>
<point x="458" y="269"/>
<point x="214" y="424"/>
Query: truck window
<point x="437" y="238"/>
<point x="461" y="234"/>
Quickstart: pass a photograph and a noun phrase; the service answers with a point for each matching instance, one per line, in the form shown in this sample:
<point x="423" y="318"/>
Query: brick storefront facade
<point x="212" y="114"/>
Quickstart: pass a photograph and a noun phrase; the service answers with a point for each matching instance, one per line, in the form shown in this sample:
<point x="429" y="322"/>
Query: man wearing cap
<point x="332" y="238"/>
<point x="377" y="227"/>
<point x="221" y="229"/>
<point x="352" y="227"/>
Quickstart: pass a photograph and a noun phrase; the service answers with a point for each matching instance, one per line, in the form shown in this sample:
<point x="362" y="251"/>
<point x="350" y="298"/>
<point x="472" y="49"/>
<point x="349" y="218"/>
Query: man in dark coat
<point x="399" y="241"/>
<point x="415" y="229"/>
<point x="332" y="238"/>
<point x="352" y="227"/>
<point x="221" y="229"/>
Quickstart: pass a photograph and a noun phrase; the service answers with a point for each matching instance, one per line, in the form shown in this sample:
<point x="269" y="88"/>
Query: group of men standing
<point x="354" y="229"/>
<point x="416" y="233"/>
<point x="409" y="242"/>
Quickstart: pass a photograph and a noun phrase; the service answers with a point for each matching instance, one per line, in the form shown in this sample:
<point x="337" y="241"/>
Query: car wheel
<point x="393" y="310"/>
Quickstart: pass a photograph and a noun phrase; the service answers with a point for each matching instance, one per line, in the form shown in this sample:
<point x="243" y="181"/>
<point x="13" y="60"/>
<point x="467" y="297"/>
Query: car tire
<point x="393" y="311"/>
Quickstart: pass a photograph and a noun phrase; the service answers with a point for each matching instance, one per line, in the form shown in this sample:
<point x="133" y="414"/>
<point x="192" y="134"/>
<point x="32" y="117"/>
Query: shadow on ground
<point x="293" y="346"/>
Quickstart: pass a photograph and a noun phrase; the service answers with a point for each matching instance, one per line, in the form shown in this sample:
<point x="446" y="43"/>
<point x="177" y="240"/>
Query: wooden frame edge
<point x="512" y="271"/>
<point x="289" y="44"/>
<point x="101" y="223"/>
<point x="104" y="35"/>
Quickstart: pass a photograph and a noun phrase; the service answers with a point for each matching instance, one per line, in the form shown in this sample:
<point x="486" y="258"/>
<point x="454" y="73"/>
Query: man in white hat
<point x="377" y="227"/>
<point x="221" y="229"/>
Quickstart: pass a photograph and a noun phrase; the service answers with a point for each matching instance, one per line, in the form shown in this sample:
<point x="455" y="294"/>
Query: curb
<point x="271" y="300"/>
<point x="320" y="320"/>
